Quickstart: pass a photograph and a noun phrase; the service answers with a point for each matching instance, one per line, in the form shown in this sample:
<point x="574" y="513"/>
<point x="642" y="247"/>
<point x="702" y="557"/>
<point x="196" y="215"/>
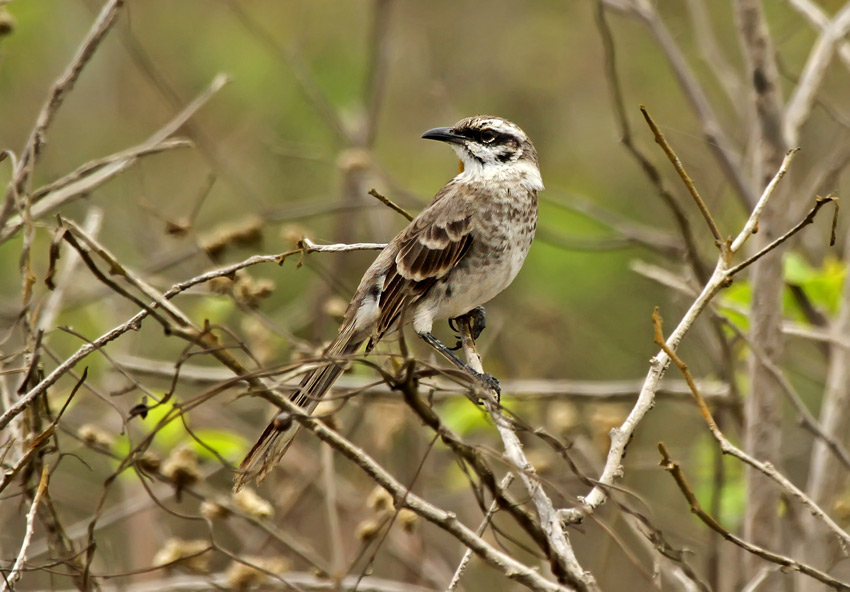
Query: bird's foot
<point x="477" y="322"/>
<point x="491" y="382"/>
<point x="488" y="381"/>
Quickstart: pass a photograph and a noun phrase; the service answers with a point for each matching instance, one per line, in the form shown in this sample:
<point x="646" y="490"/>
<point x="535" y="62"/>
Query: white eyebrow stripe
<point x="501" y="126"/>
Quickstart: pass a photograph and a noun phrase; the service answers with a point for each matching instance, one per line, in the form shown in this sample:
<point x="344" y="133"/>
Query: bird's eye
<point x="488" y="136"/>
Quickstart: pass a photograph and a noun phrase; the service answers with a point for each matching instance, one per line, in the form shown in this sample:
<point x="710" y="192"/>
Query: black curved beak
<point x="444" y="134"/>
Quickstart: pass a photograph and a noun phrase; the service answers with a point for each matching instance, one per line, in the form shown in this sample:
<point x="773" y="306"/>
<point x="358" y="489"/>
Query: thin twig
<point x="144" y="149"/>
<point x="752" y="224"/>
<point x="467" y="555"/>
<point x="806" y="419"/>
<point x="331" y="509"/>
<point x="302" y="74"/>
<point x="17" y="568"/>
<point x="391" y="204"/>
<point x="819" y="19"/>
<point x="713" y="134"/>
<point x="728" y="448"/>
<point x="40" y="440"/>
<point x="447" y="521"/>
<point x="135" y="322"/>
<point x="802" y="101"/>
<point x="713" y="55"/>
<point x="556" y="534"/>
<point x="50" y="310"/>
<point x="808" y="219"/>
<point x="59" y="91"/>
<point x="309" y="246"/>
<point x="686" y="178"/>
<point x="537" y="389"/>
<point x="50" y="201"/>
<point x="626" y="138"/>
<point x="376" y="75"/>
<point x="787" y="563"/>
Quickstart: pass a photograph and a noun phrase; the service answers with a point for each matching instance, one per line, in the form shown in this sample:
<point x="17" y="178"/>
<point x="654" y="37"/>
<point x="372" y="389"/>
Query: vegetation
<point x="184" y="186"/>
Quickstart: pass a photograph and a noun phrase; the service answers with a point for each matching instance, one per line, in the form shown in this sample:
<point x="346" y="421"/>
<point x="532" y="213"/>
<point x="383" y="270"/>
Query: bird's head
<point x="487" y="144"/>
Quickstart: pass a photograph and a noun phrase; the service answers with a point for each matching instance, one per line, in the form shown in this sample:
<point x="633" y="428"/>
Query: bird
<point x="462" y="250"/>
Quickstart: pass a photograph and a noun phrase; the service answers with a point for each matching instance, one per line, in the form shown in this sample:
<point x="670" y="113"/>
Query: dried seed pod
<point x="247" y="500"/>
<point x="192" y="555"/>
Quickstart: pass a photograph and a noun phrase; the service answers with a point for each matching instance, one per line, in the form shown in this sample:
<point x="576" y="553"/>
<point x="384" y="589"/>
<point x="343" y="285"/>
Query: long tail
<point x="276" y="438"/>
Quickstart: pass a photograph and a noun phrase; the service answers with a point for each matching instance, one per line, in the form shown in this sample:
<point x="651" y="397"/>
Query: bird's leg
<point x="477" y="322"/>
<point x="490" y="381"/>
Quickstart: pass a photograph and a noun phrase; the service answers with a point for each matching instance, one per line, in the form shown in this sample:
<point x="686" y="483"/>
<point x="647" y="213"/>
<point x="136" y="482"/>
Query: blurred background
<point x="326" y="100"/>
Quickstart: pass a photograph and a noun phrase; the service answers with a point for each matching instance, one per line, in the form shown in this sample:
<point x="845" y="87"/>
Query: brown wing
<point x="434" y="243"/>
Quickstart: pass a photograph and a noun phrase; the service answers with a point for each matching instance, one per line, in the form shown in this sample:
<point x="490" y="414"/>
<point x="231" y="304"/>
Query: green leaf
<point x="733" y="494"/>
<point x="216" y="309"/>
<point x="461" y="416"/>
<point x="822" y="286"/>
<point x="736" y="301"/>
<point x="169" y="435"/>
<point x="229" y="445"/>
<point x="796" y="269"/>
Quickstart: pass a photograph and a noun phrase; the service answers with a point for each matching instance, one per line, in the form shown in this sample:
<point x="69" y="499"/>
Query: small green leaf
<point x="822" y="286"/>
<point x="736" y="301"/>
<point x="733" y="494"/>
<point x="169" y="435"/>
<point x="216" y="309"/>
<point x="463" y="417"/>
<point x="796" y="269"/>
<point x="229" y="445"/>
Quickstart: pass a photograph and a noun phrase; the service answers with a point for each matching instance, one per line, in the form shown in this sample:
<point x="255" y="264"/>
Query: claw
<point x="491" y="382"/>
<point x="477" y="318"/>
<point x="486" y="380"/>
<point x="479" y="321"/>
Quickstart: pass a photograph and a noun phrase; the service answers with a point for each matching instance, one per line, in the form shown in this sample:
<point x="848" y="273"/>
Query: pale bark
<point x="763" y="408"/>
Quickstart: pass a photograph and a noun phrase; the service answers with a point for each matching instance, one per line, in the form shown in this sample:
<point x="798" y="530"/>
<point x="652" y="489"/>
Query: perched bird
<point x="458" y="253"/>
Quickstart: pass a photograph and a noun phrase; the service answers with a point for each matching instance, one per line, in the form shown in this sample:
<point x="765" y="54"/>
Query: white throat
<point x="522" y="171"/>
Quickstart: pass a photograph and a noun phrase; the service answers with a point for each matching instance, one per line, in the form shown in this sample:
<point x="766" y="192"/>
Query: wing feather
<point x="425" y="252"/>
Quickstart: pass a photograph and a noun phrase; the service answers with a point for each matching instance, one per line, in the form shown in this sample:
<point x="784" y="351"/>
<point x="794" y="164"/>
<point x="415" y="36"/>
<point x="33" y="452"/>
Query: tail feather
<point x="276" y="438"/>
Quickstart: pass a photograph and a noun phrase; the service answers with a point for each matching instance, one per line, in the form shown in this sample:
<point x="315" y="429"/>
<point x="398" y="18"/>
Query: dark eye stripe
<point x="476" y="134"/>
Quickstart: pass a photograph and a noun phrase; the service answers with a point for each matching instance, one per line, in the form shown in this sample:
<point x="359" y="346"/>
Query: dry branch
<point x="620" y="437"/>
<point x="556" y="534"/>
<point x="94" y="174"/>
<point x="715" y="137"/>
<point x="467" y="555"/>
<point x="402" y="496"/>
<point x="61" y="87"/>
<point x="17" y="568"/>
<point x="786" y="563"/>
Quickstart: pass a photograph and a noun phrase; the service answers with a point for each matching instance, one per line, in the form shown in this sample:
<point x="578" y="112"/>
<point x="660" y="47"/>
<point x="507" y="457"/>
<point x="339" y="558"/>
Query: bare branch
<point x="728" y="448"/>
<point x="787" y="563"/>
<point x="686" y="179"/>
<point x="61" y="87"/>
<point x="556" y="534"/>
<point x="802" y="100"/>
<point x="467" y="555"/>
<point x="50" y="200"/>
<point x="620" y="437"/>
<point x="17" y="567"/>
